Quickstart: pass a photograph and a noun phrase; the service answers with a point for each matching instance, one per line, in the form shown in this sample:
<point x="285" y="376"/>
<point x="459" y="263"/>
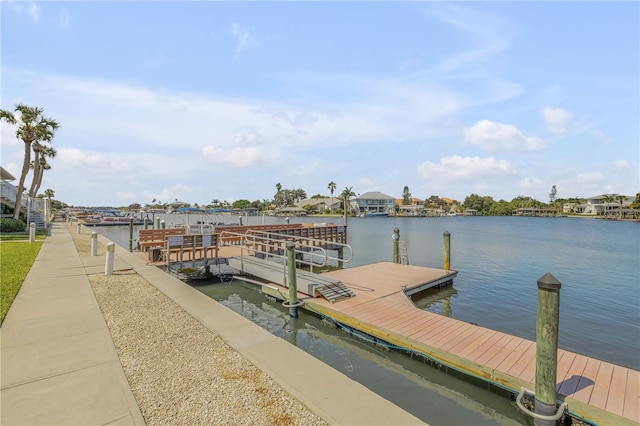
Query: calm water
<point x="499" y="260"/>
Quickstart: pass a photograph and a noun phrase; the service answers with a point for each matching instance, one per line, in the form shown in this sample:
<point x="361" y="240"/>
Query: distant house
<point x="598" y="204"/>
<point x="414" y="208"/>
<point x="320" y="204"/>
<point x="374" y="202"/>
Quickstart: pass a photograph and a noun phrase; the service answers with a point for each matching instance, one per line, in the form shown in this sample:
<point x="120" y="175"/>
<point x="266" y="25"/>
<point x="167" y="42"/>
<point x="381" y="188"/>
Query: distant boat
<point x="108" y="218"/>
<point x="374" y="214"/>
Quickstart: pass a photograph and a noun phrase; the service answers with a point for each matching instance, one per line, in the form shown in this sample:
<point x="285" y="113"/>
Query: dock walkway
<point x="595" y="390"/>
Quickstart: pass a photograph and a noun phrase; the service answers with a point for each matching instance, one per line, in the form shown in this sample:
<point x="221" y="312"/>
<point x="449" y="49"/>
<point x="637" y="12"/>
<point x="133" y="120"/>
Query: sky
<point x="201" y="101"/>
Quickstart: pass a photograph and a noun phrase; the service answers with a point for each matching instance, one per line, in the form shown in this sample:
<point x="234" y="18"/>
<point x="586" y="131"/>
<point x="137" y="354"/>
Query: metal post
<point x="396" y="243"/>
<point x="130" y="234"/>
<point x="447" y="250"/>
<point x="291" y="280"/>
<point x="547" y="348"/>
<point x="109" y="258"/>
<point x="32" y="232"/>
<point x="94" y="243"/>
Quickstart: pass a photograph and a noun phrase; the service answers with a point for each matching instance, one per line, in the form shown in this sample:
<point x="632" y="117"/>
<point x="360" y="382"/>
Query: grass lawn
<point x="16" y="258"/>
<point x="12" y="236"/>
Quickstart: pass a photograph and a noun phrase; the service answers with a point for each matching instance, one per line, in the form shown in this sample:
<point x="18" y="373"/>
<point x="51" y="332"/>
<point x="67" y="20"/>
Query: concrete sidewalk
<point x="59" y="365"/>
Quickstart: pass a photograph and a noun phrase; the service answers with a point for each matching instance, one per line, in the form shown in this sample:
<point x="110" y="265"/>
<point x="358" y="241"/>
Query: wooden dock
<point x="595" y="390"/>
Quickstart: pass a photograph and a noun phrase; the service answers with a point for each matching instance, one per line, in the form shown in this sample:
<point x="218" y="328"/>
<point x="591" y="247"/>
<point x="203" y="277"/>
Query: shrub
<point x="12" y="225"/>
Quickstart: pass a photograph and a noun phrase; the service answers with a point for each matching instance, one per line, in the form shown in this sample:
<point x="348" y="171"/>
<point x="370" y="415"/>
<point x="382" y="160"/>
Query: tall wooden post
<point x="291" y="280"/>
<point x="146" y="223"/>
<point x="547" y="348"/>
<point x="130" y="234"/>
<point x="447" y="250"/>
<point x="396" y="244"/>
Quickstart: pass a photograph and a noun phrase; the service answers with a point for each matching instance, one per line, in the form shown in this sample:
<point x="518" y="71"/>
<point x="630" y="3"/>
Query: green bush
<point x="12" y="225"/>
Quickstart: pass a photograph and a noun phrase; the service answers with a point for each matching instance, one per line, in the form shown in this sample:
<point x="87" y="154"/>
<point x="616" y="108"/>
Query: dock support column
<point x="146" y="223"/>
<point x="108" y="262"/>
<point x="447" y="250"/>
<point x="130" y="234"/>
<point x="157" y="223"/>
<point x="163" y="225"/>
<point x="396" y="244"/>
<point x="94" y="243"/>
<point x="291" y="280"/>
<point x="547" y="348"/>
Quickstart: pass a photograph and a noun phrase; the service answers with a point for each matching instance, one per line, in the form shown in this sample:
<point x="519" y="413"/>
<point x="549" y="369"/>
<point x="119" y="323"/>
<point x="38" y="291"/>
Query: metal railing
<point x="273" y="244"/>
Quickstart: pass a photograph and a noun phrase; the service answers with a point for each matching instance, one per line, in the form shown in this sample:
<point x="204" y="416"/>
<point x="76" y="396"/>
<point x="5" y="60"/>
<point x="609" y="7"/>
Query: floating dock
<point x="597" y="391"/>
<point x="374" y="299"/>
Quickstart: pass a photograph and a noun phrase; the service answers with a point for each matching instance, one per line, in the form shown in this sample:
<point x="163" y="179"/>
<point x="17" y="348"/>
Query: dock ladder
<point x="403" y="253"/>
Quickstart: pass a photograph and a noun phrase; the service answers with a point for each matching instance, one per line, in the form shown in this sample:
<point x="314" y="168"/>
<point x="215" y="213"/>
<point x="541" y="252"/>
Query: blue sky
<point x="223" y="100"/>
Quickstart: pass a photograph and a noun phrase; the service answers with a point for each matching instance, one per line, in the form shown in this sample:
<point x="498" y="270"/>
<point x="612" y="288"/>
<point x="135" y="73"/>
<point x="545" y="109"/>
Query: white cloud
<point x="590" y="177"/>
<point x="238" y="156"/>
<point x="556" y="120"/>
<point x="620" y="164"/>
<point x="492" y="136"/>
<point x="34" y="11"/>
<point x="64" y="17"/>
<point x="600" y="136"/>
<point x="456" y="168"/>
<point x="243" y="38"/>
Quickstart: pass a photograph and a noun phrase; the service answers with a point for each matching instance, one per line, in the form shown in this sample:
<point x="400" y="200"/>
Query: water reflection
<point x="435" y="300"/>
<point x="429" y="392"/>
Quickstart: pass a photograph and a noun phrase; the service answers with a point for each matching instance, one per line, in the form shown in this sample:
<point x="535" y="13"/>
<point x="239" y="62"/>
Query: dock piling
<point x="547" y="347"/>
<point x="131" y="234"/>
<point x="396" y="243"/>
<point x="447" y="250"/>
<point x="291" y="280"/>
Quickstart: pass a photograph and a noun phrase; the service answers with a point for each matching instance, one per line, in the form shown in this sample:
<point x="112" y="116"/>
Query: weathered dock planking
<point x="595" y="390"/>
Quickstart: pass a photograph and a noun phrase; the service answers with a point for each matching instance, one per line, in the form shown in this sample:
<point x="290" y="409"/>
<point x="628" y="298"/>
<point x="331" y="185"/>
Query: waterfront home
<point x="374" y="203"/>
<point x="603" y="204"/>
<point x="319" y="205"/>
<point x="414" y="208"/>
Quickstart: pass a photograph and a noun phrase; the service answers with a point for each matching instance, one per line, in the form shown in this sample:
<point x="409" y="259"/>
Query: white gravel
<point x="180" y="372"/>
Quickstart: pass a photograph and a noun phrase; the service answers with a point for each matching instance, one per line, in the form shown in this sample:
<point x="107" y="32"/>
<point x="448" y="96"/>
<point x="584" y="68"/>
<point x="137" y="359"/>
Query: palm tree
<point x="332" y="187"/>
<point x="346" y="195"/>
<point x="49" y="193"/>
<point x="607" y="199"/>
<point x="32" y="127"/>
<point x="45" y="152"/>
<point x="620" y="199"/>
